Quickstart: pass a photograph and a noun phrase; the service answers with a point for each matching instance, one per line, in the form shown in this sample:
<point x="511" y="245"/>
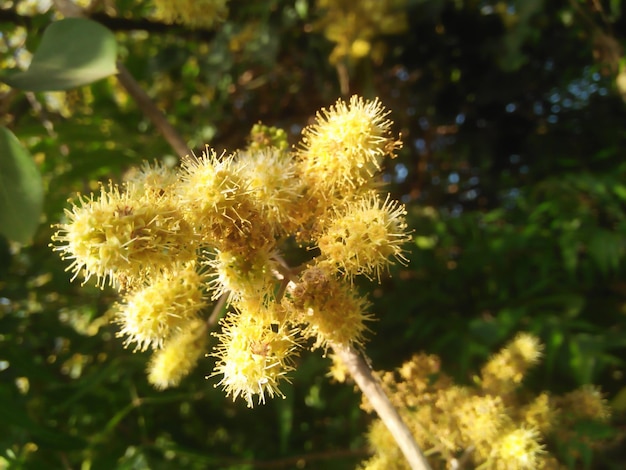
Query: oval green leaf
<point x="73" y="52"/>
<point x="21" y="190"/>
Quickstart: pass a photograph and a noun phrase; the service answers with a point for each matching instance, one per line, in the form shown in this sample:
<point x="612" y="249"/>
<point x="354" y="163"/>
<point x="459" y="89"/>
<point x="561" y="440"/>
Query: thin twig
<point x="153" y="113"/>
<point x="42" y="115"/>
<point x="145" y="104"/>
<point x="362" y="374"/>
<point x="344" y="78"/>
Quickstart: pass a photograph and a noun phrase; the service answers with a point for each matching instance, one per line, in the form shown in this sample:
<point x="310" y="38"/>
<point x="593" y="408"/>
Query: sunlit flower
<point x="330" y="310"/>
<point x="156" y="182"/>
<point x="123" y="236"/>
<point x="365" y="237"/>
<point x="254" y="356"/>
<point x="242" y="274"/>
<point x="210" y="194"/>
<point x="148" y="316"/>
<point x="345" y="146"/>
<point x="271" y="182"/>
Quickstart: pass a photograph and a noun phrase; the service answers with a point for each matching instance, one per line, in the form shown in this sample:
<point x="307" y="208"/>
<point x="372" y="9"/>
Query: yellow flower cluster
<point x="192" y="13"/>
<point x="354" y="26"/>
<point x="491" y="425"/>
<point x="173" y="240"/>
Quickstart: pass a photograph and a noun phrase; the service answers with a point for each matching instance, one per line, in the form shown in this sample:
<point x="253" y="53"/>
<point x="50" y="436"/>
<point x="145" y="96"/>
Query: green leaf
<point x="620" y="191"/>
<point x="606" y="249"/>
<point x="21" y="190"/>
<point x="73" y="52"/>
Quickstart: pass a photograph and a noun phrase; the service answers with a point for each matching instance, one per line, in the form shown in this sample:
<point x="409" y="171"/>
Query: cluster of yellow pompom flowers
<point x="491" y="425"/>
<point x="173" y="240"/>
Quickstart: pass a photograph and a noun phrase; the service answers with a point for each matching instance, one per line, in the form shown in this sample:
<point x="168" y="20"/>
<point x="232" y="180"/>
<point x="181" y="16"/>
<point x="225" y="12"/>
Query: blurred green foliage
<point x="513" y="173"/>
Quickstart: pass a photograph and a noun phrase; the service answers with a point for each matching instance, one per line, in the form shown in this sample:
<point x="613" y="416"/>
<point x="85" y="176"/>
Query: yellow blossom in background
<point x="192" y="13"/>
<point x="266" y="137"/>
<point x="540" y="413"/>
<point x="379" y="437"/>
<point x="354" y="26"/>
<point x="586" y="402"/>
<point x="505" y="371"/>
<point x="490" y="429"/>
<point x="338" y="370"/>
<point x="481" y="419"/>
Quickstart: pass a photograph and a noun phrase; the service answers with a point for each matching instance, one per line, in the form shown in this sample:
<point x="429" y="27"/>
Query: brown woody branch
<point x="371" y="388"/>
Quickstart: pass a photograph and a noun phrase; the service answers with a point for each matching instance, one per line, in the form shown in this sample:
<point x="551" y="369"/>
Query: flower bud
<point x="148" y="316"/>
<point x="180" y="354"/>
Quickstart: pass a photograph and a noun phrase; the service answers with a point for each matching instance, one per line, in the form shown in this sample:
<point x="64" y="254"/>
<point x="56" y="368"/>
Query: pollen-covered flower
<point x="123" y="236"/>
<point x="208" y="185"/>
<point x="330" y="310"/>
<point x="156" y="182"/>
<point x="193" y="13"/>
<point x="271" y="182"/>
<point x="345" y="147"/>
<point x="180" y="354"/>
<point x="242" y="274"/>
<point x="254" y="355"/>
<point x="150" y="315"/>
<point x="505" y="370"/>
<point x="213" y="198"/>
<point x="518" y="449"/>
<point x="365" y="237"/>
